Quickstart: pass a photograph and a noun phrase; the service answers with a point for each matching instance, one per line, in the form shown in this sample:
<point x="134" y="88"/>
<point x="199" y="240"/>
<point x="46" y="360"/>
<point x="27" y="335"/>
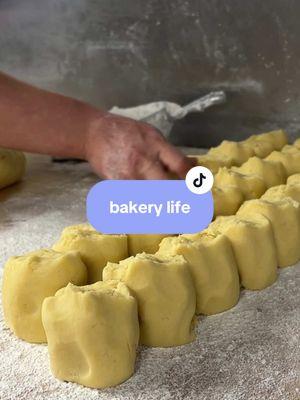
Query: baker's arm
<point x="38" y="121"/>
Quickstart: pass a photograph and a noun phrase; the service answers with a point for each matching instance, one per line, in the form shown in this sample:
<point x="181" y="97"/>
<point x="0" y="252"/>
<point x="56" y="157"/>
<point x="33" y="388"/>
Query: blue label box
<point x="148" y="207"/>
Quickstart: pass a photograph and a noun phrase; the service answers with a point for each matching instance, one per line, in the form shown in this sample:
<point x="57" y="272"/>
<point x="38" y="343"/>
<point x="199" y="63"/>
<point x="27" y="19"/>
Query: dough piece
<point x="252" y="186"/>
<point x="92" y="333"/>
<point x="284" y="216"/>
<point x="213" y="268"/>
<point x="166" y="297"/>
<point x="297" y="143"/>
<point x="290" y="149"/>
<point x="253" y="244"/>
<point x="227" y="200"/>
<point x="236" y="152"/>
<point x="144" y="243"/>
<point x="261" y="148"/>
<point x="272" y="172"/>
<point x="12" y="167"/>
<point x="281" y="192"/>
<point x="211" y="162"/>
<point x="28" y="280"/>
<point x="294" y="179"/>
<point x="289" y="157"/>
<point x="277" y="138"/>
<point x="95" y="248"/>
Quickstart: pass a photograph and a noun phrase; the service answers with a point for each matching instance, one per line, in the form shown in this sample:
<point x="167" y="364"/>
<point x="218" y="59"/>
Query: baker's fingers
<point x="152" y="169"/>
<point x="193" y="159"/>
<point x="174" y="160"/>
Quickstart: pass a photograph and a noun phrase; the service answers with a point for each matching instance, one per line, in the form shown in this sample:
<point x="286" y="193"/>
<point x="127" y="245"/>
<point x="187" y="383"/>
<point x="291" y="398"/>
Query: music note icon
<point x="198" y="181"/>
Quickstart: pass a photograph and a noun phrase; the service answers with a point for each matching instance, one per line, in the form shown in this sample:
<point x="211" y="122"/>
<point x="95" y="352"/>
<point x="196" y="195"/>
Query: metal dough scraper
<point x="163" y="114"/>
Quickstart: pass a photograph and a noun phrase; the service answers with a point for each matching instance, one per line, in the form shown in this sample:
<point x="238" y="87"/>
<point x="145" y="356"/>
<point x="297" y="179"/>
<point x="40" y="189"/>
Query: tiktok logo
<point x="199" y="180"/>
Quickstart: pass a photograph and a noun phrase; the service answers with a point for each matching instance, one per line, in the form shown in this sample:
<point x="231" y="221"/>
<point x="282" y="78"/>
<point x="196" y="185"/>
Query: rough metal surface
<point x="126" y="53"/>
<point x="250" y="352"/>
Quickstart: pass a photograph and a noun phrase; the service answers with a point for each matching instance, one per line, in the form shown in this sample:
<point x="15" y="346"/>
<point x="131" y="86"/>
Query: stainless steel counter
<point x="250" y="352"/>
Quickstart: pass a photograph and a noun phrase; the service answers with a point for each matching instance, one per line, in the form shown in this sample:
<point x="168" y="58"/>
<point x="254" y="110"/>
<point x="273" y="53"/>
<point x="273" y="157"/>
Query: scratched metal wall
<point x="127" y="52"/>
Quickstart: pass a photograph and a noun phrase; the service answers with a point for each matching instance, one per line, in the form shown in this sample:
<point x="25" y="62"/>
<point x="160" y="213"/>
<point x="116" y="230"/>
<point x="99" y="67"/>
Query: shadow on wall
<point x="127" y="53"/>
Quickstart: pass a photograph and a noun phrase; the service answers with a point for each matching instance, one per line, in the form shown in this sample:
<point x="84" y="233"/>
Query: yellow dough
<point x="272" y="172"/>
<point x="12" y="167"/>
<point x="253" y="244"/>
<point x="261" y="148"/>
<point x="290" y="149"/>
<point x="297" y="143"/>
<point x="289" y="157"/>
<point x="28" y="280"/>
<point x="213" y="268"/>
<point x="95" y="248"/>
<point x="143" y="243"/>
<point x="277" y="138"/>
<point x="281" y="192"/>
<point x="227" y="200"/>
<point x="166" y="297"/>
<point x="236" y="152"/>
<point x="211" y="162"/>
<point x="92" y="333"/>
<point x="294" y="179"/>
<point x="284" y="216"/>
<point x="252" y="186"/>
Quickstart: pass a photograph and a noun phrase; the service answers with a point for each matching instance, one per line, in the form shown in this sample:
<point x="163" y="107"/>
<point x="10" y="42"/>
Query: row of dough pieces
<point x="93" y="331"/>
<point x="162" y="284"/>
<point x="13" y="163"/>
<point x="232" y="186"/>
<point x="230" y="153"/>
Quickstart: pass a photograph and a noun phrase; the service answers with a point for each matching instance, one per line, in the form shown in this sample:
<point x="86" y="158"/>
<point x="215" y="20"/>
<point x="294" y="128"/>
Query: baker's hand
<point x="122" y="148"/>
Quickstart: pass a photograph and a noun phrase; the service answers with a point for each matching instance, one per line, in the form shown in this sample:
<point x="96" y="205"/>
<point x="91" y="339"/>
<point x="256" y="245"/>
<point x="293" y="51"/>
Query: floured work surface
<point x="249" y="352"/>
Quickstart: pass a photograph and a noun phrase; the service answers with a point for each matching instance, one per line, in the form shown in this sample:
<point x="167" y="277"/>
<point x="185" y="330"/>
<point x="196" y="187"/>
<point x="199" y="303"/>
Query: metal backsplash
<point x="129" y="52"/>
